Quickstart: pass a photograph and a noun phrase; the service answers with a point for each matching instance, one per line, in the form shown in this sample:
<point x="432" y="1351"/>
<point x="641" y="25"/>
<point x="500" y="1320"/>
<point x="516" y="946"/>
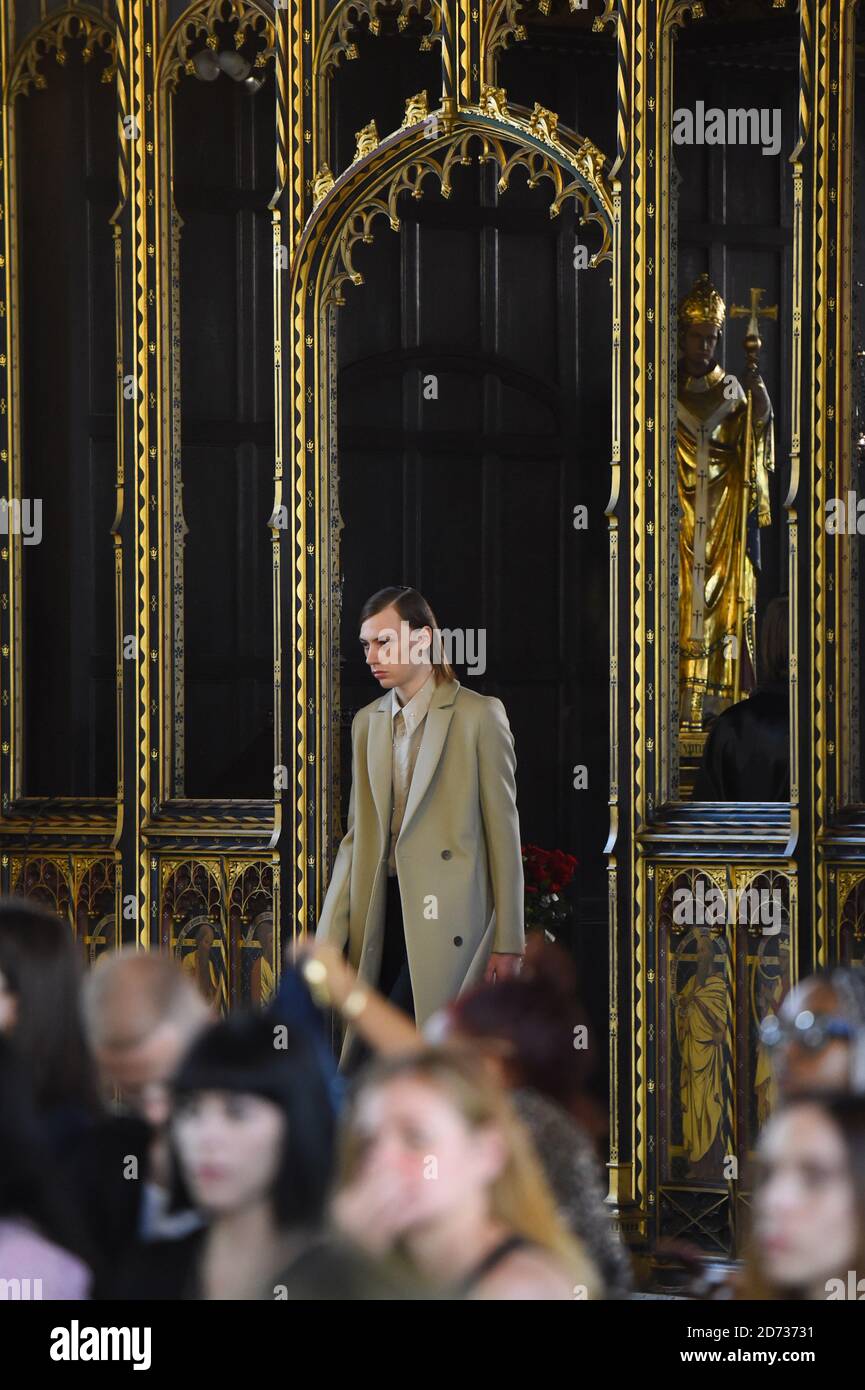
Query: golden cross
<point x="753" y="312"/>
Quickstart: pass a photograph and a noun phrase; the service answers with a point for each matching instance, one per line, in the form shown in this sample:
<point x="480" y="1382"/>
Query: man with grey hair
<point x="142" y="1012"/>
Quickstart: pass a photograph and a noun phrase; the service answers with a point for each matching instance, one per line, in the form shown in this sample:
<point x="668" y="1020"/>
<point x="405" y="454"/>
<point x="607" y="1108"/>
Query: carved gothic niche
<point x="467" y="351"/>
<point x="254" y="943"/>
<point x="192" y="923"/>
<point x="370" y="57"/>
<point x="58" y="471"/>
<point x="216" y="121"/>
<point x="724" y="554"/>
<point x="559" y="52"/>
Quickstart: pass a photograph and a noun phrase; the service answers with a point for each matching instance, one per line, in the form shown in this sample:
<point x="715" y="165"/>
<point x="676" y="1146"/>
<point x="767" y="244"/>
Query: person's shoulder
<point x="61" y="1274"/>
<point x="474" y="705"/>
<point x="362" y="715"/>
<point x="731" y="721"/>
<point x="125" y="1132"/>
<point x="762" y="707"/>
<point x="770" y="702"/>
<point x="329" y="1268"/>
<point x="159" y="1269"/>
<point x="529" y="1273"/>
<point x="543" y="1115"/>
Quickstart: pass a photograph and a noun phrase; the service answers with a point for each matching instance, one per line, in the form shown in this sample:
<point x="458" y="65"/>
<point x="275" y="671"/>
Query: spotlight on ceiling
<point x="253" y="84"/>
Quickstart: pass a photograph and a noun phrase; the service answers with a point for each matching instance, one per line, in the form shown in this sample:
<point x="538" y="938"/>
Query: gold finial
<point x="703" y="304"/>
<point x="321" y="185"/>
<point x="589" y="160"/>
<point x="544" y="123"/>
<point x="416" y="109"/>
<point x="367" y="139"/>
<point x="494" y="100"/>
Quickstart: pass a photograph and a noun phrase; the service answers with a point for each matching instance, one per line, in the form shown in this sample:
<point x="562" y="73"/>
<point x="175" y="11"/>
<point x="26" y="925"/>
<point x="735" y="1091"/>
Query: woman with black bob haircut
<point x="252" y="1137"/>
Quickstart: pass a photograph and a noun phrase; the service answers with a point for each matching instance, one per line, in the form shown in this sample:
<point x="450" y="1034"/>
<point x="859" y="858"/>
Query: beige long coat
<point x="458" y="854"/>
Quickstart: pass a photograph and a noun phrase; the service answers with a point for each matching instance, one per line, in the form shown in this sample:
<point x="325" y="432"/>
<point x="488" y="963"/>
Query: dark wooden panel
<point x="67" y="192"/>
<point x="224" y="173"/>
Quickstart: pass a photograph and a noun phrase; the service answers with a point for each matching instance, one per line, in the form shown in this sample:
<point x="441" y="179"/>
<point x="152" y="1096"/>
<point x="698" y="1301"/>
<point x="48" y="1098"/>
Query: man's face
<point x="699" y="343"/>
<point x="141" y="1061"/>
<point x="392" y="651"/>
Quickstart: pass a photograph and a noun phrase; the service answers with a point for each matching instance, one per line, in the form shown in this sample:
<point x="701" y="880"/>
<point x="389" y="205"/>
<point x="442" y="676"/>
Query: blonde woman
<point x="436" y="1170"/>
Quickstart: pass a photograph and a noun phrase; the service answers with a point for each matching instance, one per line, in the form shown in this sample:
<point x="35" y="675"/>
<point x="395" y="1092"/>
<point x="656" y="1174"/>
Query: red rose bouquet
<point x="547" y="873"/>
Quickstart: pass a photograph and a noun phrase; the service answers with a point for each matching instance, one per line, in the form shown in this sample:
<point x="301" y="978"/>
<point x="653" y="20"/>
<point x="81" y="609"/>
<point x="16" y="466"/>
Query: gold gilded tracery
<point x="336" y="44"/>
<point x="199" y="22"/>
<point x="456" y="150"/>
<point x="50" y="37"/>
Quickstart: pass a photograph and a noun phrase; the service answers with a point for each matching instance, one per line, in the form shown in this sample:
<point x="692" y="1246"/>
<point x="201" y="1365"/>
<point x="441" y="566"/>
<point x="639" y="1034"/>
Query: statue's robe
<point x="701" y="1020"/>
<point x="715" y="500"/>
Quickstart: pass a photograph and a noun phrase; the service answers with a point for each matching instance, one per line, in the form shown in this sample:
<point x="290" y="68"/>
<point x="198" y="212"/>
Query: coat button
<point x="446" y="854"/>
<point x="458" y="941"/>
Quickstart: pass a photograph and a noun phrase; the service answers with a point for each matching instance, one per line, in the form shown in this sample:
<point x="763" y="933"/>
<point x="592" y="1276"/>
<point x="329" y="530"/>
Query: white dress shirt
<point x="407" y="725"/>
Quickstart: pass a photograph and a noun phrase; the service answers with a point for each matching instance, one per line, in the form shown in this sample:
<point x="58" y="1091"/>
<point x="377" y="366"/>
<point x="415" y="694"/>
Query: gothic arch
<point x="345" y="211"/>
<point x="200" y="20"/>
<point x="433" y="143"/>
<point x="334" y="47"/>
<point x="50" y="36"/>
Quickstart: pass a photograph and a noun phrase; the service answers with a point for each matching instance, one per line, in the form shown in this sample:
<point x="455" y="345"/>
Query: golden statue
<point x="724" y="454"/>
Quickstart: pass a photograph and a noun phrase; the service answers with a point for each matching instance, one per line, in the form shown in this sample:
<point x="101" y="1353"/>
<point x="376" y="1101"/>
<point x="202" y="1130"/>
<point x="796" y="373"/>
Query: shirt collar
<point x="416" y="708"/>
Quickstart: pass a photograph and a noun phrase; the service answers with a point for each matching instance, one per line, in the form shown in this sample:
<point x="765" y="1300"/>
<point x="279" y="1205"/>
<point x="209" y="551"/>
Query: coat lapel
<point x="435" y="731"/>
<point x="379" y="757"/>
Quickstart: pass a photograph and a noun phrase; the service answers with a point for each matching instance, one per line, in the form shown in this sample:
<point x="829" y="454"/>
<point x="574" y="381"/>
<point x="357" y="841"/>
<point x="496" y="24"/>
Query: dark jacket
<point x="747" y="753"/>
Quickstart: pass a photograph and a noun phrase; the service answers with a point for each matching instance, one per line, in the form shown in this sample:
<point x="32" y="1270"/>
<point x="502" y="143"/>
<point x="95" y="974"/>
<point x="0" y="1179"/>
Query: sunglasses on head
<point x="808" y="1029"/>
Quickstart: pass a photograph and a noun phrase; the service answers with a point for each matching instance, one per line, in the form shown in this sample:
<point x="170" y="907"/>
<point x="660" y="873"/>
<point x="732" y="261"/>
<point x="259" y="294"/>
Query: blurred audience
<point x="142" y="1011"/>
<point x="41" y="1244"/>
<point x="252" y="1134"/>
<point x="40" y="1010"/>
<point x="817" y="1040"/>
<point x="531" y="1035"/>
<point x="40" y="978"/>
<point x="149" y="1151"/>
<point x="437" y="1170"/>
<point x="808" y="1206"/>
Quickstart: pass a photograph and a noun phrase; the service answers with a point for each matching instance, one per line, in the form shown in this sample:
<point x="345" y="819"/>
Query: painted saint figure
<point x="701" y="1022"/>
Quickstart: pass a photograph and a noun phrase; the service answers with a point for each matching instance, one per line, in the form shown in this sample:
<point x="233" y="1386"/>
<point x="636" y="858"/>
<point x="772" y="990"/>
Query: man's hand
<point x="503" y="965"/>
